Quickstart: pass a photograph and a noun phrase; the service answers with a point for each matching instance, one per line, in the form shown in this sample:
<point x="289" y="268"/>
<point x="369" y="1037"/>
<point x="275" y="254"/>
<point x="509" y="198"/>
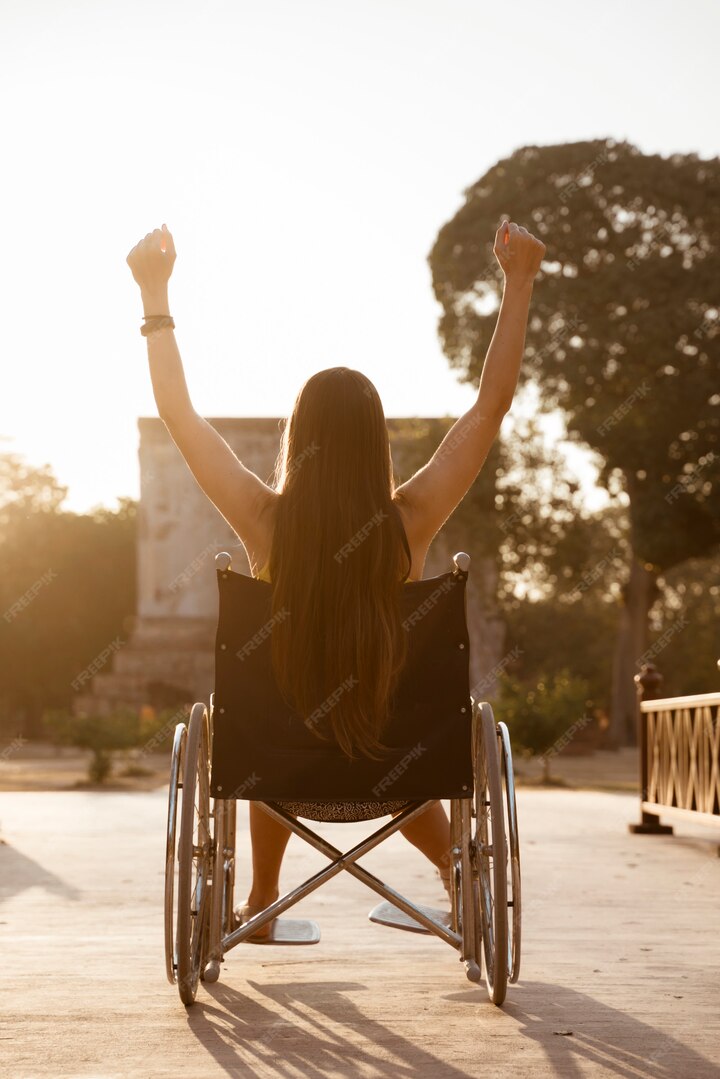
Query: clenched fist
<point x="518" y="252"/>
<point x="152" y="260"/>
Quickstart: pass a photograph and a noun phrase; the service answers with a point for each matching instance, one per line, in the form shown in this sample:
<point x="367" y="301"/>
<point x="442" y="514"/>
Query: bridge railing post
<point x="647" y="683"/>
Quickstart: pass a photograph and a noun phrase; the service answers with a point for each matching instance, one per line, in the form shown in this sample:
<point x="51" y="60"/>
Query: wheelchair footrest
<point x="290" y="931"/>
<point x="387" y="913"/>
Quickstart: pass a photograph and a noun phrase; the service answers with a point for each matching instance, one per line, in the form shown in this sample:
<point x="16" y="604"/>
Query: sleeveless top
<point x="343" y="811"/>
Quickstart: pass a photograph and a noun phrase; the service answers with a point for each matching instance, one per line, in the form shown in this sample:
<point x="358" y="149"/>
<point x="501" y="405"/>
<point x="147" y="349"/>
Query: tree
<point x="26" y="489"/>
<point x="543" y="717"/>
<point x="532" y="539"/>
<point x="67" y="591"/>
<point x="104" y="736"/>
<point x="685" y="621"/>
<point x="624" y="337"/>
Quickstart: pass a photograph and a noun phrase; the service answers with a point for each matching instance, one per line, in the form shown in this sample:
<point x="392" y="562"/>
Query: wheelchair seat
<point x="342" y="811"/>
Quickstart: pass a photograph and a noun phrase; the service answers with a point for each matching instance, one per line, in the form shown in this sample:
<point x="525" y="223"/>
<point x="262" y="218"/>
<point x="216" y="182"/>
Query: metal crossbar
<point x="339" y="862"/>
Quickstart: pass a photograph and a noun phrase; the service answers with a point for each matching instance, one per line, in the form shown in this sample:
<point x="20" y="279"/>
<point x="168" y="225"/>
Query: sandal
<point x="261" y="936"/>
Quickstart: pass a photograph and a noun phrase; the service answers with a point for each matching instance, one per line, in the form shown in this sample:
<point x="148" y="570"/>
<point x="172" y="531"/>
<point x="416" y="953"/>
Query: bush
<point x="125" y="729"/>
<point x="543" y="716"/>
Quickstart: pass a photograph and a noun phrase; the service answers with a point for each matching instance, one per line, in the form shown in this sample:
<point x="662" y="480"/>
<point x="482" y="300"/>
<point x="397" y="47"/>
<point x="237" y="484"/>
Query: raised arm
<point x="237" y="492"/>
<point x="431" y="495"/>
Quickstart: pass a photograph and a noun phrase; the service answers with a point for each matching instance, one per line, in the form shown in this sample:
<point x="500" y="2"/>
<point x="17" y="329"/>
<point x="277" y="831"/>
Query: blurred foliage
<point x="527" y="511"/>
<point x="475" y="516"/>
<point x="685" y="623"/>
<point x="543" y="715"/>
<point x="124" y="729"/>
<point x="624" y="329"/>
<point x="524" y="511"/>
<point x="67" y="591"/>
<point x="562" y="568"/>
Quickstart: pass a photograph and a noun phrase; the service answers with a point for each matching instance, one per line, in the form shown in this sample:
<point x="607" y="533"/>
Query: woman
<point x="334" y="535"/>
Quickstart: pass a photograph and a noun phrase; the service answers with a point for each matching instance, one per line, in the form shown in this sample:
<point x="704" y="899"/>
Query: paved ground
<point x="619" y="974"/>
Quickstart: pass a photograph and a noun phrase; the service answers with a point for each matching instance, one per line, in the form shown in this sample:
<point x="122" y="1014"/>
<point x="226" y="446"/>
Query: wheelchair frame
<point x="484" y="922"/>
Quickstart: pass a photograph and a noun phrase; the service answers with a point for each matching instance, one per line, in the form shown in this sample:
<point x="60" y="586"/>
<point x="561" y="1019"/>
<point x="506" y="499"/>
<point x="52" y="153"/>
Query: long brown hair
<point x="338" y="558"/>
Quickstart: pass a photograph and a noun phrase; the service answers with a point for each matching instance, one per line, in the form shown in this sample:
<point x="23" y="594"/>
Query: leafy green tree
<point x="544" y="716"/>
<point x="526" y="513"/>
<point x="624" y="337"/>
<point x="685" y="643"/>
<point x="67" y="591"/>
<point x="525" y="509"/>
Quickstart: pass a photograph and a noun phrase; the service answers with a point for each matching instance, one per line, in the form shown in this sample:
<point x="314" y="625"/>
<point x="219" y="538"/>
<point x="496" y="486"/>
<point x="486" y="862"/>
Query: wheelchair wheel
<point x="511" y="831"/>
<point x="490" y="855"/>
<point x="177" y="761"/>
<point x="194" y="858"/>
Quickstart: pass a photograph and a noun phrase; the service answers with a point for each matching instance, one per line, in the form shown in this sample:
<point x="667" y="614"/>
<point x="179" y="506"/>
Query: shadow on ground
<point x="18" y="872"/>
<point x="299" y="1032"/>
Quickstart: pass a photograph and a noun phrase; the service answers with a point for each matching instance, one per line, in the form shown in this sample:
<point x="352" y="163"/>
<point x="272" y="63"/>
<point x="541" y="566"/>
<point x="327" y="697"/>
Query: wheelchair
<point x="249" y="745"/>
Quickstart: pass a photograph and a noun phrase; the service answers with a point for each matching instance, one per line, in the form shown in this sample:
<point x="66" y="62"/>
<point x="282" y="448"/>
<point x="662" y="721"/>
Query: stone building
<point x="168" y="656"/>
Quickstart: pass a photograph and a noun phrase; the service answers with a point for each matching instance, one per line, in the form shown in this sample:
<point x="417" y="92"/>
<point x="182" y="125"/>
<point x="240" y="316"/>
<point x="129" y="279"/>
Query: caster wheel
<point x="473" y="971"/>
<point x="212" y="971"/>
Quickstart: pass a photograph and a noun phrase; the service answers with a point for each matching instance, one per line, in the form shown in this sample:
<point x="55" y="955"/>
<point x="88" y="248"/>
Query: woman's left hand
<point x="152" y="261"/>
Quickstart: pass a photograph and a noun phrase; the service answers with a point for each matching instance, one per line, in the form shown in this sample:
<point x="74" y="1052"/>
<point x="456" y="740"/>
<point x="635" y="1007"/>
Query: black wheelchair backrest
<point x="264" y="750"/>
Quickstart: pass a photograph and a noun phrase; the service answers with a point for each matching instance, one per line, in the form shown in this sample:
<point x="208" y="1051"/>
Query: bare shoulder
<point x="436" y="489"/>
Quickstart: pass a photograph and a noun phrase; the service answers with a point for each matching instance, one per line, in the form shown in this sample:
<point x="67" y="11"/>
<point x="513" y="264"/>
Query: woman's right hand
<point x="151" y="262"/>
<point x="518" y="252"/>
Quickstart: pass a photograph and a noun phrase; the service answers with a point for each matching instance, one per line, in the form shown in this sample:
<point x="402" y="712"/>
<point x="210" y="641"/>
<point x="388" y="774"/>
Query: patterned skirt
<point x="342" y="811"/>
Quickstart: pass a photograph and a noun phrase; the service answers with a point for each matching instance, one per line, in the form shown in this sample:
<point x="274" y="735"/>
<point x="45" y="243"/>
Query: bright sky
<point x="304" y="156"/>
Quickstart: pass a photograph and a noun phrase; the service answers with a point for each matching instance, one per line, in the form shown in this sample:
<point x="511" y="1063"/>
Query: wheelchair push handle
<point x="461" y="560"/>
